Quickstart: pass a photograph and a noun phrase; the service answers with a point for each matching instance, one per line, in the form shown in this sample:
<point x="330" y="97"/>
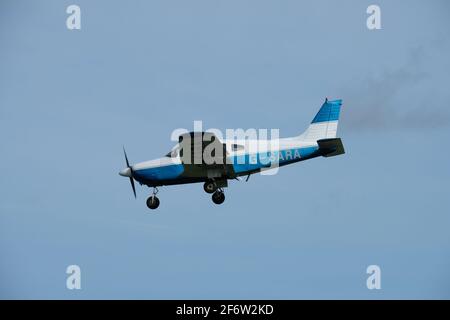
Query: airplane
<point x="187" y="162"/>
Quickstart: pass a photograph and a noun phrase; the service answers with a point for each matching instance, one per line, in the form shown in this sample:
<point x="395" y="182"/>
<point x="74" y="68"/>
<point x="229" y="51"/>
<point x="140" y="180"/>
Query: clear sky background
<point x="137" y="70"/>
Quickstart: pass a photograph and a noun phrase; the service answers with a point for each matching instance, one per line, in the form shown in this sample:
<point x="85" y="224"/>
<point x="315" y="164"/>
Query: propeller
<point x="128" y="172"/>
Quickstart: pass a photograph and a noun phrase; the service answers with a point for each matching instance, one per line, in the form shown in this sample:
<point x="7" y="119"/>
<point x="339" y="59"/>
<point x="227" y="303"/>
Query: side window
<point x="236" y="147"/>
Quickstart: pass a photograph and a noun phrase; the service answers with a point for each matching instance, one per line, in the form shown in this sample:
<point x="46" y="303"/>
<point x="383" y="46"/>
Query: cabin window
<point x="236" y="147"/>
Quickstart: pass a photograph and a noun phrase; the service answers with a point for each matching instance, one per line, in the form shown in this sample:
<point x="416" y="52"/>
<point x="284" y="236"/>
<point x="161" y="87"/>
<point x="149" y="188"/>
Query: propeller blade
<point x="126" y="158"/>
<point x="132" y="185"/>
<point x="131" y="170"/>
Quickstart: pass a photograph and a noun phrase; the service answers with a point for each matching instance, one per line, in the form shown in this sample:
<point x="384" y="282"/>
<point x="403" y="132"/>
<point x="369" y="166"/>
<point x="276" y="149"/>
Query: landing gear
<point x="218" y="197"/>
<point x="210" y="186"/>
<point x="153" y="201"/>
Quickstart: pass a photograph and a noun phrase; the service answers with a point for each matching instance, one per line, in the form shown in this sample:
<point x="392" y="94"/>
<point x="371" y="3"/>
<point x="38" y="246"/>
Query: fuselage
<point x="245" y="157"/>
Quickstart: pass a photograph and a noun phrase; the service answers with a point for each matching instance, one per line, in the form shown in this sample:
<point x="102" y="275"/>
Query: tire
<point x="218" y="197"/>
<point x="209" y="187"/>
<point x="152" y="202"/>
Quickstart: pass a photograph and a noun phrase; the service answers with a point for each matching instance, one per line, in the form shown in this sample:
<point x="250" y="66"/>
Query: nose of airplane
<point x="125" y="172"/>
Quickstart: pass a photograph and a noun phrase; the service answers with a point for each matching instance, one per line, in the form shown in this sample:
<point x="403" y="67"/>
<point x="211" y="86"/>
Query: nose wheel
<point x="218" y="197"/>
<point x="153" y="201"/>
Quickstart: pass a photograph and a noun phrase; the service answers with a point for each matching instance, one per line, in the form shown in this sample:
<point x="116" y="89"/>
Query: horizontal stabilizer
<point x="331" y="147"/>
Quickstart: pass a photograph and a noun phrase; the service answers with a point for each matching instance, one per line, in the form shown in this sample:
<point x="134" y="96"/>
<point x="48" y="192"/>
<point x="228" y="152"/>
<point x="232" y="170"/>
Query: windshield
<point x="174" y="152"/>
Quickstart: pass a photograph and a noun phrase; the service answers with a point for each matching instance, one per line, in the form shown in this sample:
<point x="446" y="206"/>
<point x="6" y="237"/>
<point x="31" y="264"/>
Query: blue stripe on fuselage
<point x="241" y="164"/>
<point x="169" y="172"/>
<point x="257" y="161"/>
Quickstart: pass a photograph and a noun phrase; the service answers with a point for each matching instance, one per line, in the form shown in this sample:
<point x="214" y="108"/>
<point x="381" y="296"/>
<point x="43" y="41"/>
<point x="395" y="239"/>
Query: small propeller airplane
<point x="187" y="163"/>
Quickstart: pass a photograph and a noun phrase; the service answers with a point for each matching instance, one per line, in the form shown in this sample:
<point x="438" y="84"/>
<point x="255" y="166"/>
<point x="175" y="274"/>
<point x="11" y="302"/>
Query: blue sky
<point x="136" y="71"/>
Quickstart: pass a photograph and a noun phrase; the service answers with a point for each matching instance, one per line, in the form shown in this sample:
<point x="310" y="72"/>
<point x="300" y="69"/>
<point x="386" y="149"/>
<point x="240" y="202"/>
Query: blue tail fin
<point x="325" y="123"/>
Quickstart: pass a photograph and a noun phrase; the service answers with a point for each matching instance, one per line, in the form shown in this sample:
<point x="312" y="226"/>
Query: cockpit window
<point x="174" y="152"/>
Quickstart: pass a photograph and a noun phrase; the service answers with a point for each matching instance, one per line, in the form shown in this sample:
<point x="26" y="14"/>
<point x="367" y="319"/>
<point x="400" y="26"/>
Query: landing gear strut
<point x="218" y="197"/>
<point x="210" y="186"/>
<point x="153" y="201"/>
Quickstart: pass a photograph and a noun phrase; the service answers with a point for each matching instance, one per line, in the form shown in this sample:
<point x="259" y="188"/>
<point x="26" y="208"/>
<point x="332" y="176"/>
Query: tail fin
<point x="325" y="123"/>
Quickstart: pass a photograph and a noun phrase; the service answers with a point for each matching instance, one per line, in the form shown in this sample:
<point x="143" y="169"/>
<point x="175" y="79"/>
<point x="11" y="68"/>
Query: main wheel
<point x="209" y="187"/>
<point x="218" y="197"/>
<point x="153" y="202"/>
